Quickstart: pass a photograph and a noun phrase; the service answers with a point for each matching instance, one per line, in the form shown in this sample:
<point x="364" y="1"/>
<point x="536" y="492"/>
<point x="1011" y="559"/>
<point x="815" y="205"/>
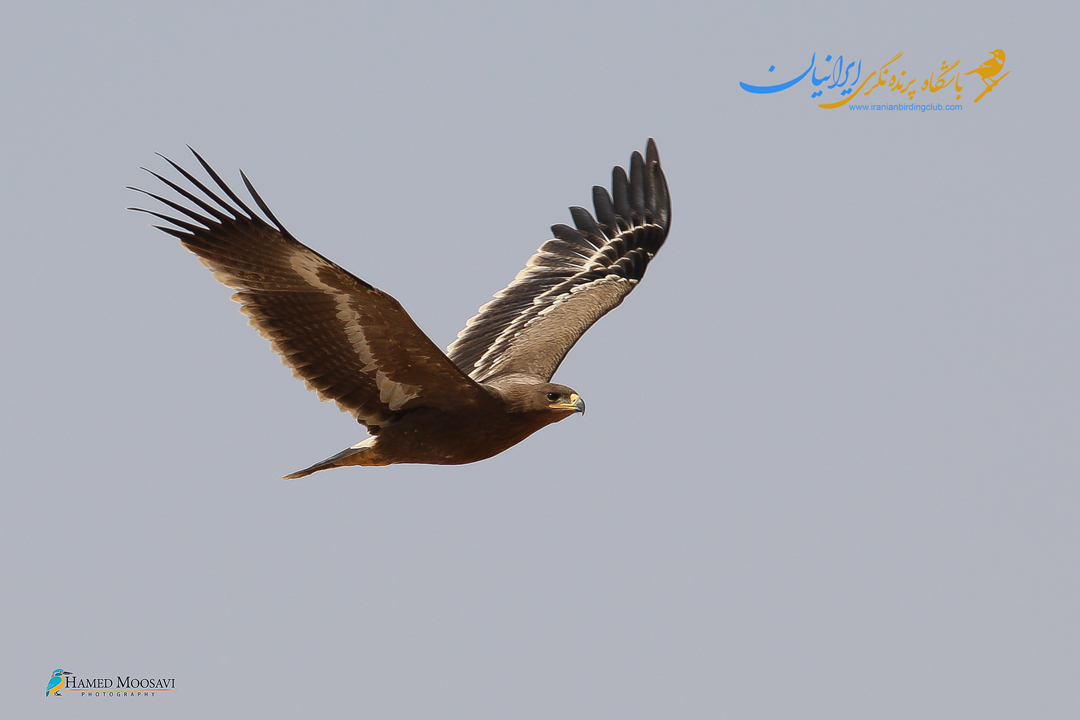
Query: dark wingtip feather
<point x="620" y="193"/>
<point x="220" y="183"/>
<point x="651" y="154"/>
<point x="183" y="236"/>
<point x="586" y="223"/>
<point x="637" y="184"/>
<point x="191" y="229"/>
<point x="656" y="197"/>
<point x="570" y="235"/>
<point x="605" y="210"/>
<point x="262" y="205"/>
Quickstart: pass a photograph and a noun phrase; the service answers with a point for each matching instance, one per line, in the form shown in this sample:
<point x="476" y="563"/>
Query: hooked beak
<point x="576" y="404"/>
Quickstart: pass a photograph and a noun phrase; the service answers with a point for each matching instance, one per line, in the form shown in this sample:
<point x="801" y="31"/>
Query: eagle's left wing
<point x="572" y="280"/>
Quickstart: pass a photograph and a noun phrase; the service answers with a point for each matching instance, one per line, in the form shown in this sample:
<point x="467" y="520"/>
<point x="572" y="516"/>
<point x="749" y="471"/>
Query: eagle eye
<point x="552" y="397"/>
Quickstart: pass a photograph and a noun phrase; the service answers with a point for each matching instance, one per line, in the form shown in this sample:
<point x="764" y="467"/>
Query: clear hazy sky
<point x="830" y="466"/>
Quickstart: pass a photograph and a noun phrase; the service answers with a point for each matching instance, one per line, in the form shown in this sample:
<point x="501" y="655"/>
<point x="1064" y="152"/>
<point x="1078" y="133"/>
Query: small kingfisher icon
<point x="56" y="682"/>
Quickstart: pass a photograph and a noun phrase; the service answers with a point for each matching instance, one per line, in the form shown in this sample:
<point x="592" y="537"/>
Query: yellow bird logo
<point x="989" y="69"/>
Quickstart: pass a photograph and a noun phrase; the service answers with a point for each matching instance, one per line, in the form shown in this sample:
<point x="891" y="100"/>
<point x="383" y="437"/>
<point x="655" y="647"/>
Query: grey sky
<point x="829" y="468"/>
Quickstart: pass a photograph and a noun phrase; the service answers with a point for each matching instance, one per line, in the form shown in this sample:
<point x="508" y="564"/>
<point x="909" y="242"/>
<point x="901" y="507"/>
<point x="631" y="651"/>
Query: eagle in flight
<point x="354" y="344"/>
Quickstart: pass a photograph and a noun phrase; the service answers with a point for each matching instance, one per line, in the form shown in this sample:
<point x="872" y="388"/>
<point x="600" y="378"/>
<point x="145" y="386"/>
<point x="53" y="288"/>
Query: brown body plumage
<point x="355" y="345"/>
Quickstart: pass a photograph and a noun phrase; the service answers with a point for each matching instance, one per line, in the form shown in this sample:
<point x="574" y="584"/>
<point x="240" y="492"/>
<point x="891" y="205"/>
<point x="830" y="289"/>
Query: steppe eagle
<point x="356" y="345"/>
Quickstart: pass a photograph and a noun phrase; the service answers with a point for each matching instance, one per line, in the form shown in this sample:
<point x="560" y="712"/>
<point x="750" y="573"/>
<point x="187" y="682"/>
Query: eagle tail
<point x="360" y="454"/>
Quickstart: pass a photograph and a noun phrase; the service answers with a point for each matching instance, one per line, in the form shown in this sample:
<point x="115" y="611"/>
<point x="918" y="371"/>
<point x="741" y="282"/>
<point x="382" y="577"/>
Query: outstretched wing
<point x="572" y="280"/>
<point x="348" y="341"/>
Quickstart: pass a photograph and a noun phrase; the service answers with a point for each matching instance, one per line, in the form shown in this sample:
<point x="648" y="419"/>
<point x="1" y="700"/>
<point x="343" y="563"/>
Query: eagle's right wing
<point x="348" y="341"/>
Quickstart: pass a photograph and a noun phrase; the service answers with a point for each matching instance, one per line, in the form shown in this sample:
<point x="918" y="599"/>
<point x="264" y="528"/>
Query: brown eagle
<point x="356" y="345"/>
